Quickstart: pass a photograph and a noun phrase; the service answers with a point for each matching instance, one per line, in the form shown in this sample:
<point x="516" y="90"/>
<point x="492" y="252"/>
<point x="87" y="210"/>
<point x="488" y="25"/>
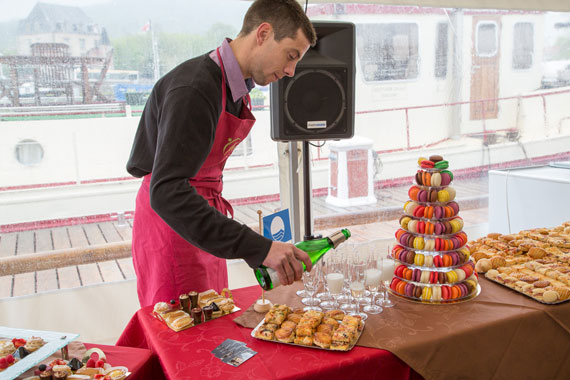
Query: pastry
<point x="304" y="340"/>
<point x="550" y="296"/>
<point x="34" y="343"/>
<point x="285" y="335"/>
<point x="322" y="339"/>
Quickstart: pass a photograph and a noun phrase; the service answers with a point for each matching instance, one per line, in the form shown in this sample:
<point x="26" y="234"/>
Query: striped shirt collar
<point x="239" y="86"/>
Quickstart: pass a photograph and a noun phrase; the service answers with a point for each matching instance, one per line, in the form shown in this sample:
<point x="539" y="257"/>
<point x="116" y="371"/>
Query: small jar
<point x="208" y="312"/>
<point x="193" y="299"/>
<point x="185" y="302"/>
<point x="197" y="315"/>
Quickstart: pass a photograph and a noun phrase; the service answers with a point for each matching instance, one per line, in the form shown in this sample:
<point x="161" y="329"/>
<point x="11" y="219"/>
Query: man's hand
<point x="285" y="259"/>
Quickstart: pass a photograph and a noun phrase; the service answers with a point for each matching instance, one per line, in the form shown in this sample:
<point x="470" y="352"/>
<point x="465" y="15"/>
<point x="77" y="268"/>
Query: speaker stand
<point x="307" y="190"/>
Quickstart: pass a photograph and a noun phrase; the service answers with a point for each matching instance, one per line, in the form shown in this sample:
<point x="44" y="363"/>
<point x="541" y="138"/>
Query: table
<point x="187" y="354"/>
<point x="142" y="363"/>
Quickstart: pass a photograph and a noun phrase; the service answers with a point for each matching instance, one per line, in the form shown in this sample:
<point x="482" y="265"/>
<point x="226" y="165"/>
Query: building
<point x="53" y="23"/>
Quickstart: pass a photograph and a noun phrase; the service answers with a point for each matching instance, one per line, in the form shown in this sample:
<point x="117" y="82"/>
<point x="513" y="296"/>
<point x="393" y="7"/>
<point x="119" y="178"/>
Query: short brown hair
<point x="285" y="16"/>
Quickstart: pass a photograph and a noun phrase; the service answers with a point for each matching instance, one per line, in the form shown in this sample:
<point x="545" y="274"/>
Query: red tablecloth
<point x="187" y="354"/>
<point x="142" y="363"/>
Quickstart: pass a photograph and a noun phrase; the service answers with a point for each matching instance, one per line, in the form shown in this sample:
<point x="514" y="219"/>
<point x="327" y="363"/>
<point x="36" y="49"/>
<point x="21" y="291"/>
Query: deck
<point x="370" y="222"/>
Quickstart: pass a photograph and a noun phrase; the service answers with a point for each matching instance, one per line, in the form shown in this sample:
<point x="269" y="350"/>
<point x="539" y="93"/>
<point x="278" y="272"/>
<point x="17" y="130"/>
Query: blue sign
<point x="277" y="226"/>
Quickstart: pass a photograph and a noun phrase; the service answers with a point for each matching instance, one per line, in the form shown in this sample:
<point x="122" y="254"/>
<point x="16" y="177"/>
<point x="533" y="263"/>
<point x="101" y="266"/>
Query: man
<point x="194" y="118"/>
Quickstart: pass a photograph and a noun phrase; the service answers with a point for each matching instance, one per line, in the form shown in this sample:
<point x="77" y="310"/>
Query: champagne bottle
<point x="268" y="278"/>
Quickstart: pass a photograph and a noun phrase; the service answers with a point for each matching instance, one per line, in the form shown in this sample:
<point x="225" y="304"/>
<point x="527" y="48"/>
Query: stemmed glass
<point x="372" y="277"/>
<point x="357" y="285"/>
<point x="387" y="265"/>
<point x="311" y="283"/>
<point x="327" y="301"/>
<point x="335" y="282"/>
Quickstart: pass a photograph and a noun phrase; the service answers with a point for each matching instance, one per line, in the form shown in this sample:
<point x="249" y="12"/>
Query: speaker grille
<point x="315" y="100"/>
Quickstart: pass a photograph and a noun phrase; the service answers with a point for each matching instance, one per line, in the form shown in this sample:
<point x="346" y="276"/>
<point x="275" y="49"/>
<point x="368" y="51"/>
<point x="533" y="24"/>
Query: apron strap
<point x="211" y="189"/>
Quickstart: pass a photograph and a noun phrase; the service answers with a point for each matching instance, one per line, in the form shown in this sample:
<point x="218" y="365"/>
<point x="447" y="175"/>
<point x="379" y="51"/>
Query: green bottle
<point x="268" y="278"/>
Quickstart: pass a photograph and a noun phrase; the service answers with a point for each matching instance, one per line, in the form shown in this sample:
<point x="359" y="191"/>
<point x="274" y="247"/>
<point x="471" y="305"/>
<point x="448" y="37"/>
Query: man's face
<point x="277" y="59"/>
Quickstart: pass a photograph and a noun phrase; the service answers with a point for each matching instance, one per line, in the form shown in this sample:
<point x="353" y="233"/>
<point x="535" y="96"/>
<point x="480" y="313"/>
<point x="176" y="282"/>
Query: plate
<point x="350" y="347"/>
<point x="528" y="295"/>
<point x="54" y="341"/>
<point x="443" y="302"/>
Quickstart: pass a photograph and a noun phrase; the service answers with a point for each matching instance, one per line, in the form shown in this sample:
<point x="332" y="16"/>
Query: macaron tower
<point x="432" y="261"/>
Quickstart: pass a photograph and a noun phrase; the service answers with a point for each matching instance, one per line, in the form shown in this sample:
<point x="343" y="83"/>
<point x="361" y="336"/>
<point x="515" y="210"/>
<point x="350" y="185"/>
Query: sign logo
<point x="277" y="226"/>
<point x="231" y="145"/>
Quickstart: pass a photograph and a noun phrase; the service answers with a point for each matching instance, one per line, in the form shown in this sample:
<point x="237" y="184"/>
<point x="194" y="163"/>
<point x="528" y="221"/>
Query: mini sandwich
<point x="304" y="340"/>
<point x="289" y="324"/>
<point x="322" y="339"/>
<point x="294" y="317"/>
<point x="304" y="330"/>
<point x="266" y="331"/>
<point x="285" y="335"/>
<point x="335" y="314"/>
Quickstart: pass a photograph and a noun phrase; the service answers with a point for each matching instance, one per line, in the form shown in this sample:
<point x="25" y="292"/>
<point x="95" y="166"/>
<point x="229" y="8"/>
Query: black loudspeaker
<point x="317" y="103"/>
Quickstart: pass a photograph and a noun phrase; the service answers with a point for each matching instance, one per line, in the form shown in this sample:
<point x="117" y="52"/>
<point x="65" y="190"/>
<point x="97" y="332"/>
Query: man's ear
<point x="263" y="33"/>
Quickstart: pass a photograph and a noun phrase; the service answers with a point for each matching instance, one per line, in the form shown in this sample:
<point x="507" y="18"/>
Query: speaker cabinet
<point x="317" y="103"/>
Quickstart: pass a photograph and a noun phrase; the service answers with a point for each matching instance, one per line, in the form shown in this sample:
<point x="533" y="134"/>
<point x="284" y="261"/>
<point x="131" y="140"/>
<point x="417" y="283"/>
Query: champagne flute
<point x="335" y="281"/>
<point x="327" y="301"/>
<point x="357" y="287"/>
<point x="372" y="278"/>
<point x="387" y="265"/>
<point x="310" y="281"/>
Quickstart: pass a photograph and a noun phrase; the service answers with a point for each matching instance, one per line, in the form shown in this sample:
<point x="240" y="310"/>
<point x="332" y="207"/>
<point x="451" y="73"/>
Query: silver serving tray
<point x="524" y="294"/>
<point x="54" y="341"/>
<point x="350" y="347"/>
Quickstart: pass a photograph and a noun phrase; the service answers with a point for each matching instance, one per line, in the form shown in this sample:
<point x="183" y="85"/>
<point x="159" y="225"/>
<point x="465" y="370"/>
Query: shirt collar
<point x="239" y="86"/>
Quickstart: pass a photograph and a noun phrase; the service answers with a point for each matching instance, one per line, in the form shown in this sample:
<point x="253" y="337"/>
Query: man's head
<point x="285" y="16"/>
<point x="280" y="34"/>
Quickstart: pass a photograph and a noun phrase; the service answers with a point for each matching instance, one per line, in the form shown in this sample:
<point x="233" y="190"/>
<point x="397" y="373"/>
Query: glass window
<point x="523" y="45"/>
<point x="29" y="152"/>
<point x="388" y="51"/>
<point x="486" y="39"/>
<point x="441" y="49"/>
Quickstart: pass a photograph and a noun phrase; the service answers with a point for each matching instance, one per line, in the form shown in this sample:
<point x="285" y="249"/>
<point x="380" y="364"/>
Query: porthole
<point x="29" y="152"/>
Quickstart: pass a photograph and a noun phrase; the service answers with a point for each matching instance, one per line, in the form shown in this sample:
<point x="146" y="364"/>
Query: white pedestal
<point x="351" y="173"/>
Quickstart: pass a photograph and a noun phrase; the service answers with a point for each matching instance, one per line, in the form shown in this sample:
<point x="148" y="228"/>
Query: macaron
<point x="437" y="261"/>
<point x="413" y="192"/>
<point x="432" y="195"/>
<point x="424" y="278"/>
<point x="428" y="212"/>
<point x="435" y="158"/>
<point x="426" y="178"/>
<point x="404" y="221"/>
<point x="438" y="212"/>
<point x="416" y="276"/>
<point x="441" y="277"/>
<point x="394" y="283"/>
<point x="400" y="287"/>
<point x="448" y="173"/>
<point x="421" y="159"/>
<point x="428" y="261"/>
<point x="454" y="258"/>
<point x="419" y="243"/>
<point x="436" y="293"/>
<point x="433" y="278"/>
<point x="429" y="244"/>
<point x="407" y="273"/>
<point x="436" y="179"/>
<point x="418" y="292"/>
<point x="419" y="177"/>
<point x="427" y="164"/>
<point x="412" y="225"/>
<point x="419" y="211"/>
<point x="410" y="257"/>
<point x="409" y="290"/>
<point x="421" y="227"/>
<point x="454" y="206"/>
<point x="448" y="228"/>
<point x="439" y="228"/>
<point x="455" y="292"/>
<point x="443" y="195"/>
<point x="399" y="271"/>
<point x="464" y="290"/>
<point x="445" y="179"/>
<point x="419" y="259"/>
<point x="423" y="196"/>
<point x="445" y="292"/>
<point x="441" y="164"/>
<point x="426" y="293"/>
<point x="460" y="274"/>
<point x="451" y="191"/>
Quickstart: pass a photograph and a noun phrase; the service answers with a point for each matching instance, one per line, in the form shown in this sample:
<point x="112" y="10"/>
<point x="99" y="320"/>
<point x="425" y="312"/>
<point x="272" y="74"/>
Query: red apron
<point x="166" y="265"/>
